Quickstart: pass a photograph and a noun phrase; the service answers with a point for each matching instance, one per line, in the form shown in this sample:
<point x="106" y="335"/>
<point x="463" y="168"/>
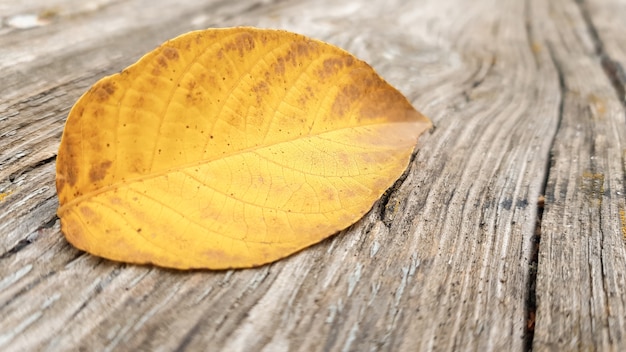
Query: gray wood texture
<point x="507" y="232"/>
<point x="580" y="281"/>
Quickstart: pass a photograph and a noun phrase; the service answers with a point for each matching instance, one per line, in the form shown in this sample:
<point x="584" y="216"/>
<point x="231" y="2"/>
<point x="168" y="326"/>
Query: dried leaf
<point x="229" y="148"/>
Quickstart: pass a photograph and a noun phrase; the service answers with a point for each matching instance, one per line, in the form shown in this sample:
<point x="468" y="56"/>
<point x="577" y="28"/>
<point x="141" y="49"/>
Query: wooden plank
<point x="605" y="21"/>
<point x="441" y="262"/>
<point x="582" y="262"/>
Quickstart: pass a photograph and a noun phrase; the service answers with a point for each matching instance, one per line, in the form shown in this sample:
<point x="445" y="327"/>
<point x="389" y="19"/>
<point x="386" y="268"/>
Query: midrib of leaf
<point x="157" y="174"/>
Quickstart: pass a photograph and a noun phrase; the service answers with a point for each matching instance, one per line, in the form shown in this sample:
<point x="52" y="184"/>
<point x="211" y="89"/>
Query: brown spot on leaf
<point x="305" y="96"/>
<point x="332" y="66"/>
<point x="194" y="94"/>
<point x="98" y="171"/>
<point x="388" y="104"/>
<point x="60" y="182"/>
<point x="242" y="44"/>
<point x="88" y="214"/>
<point x="345" y="98"/>
<point x="162" y="61"/>
<point x="104" y="91"/>
<point x="68" y="168"/>
<point x="291" y="58"/>
<point x="279" y="66"/>
<point x="170" y="53"/>
<point x="260" y="89"/>
<point x="303" y="48"/>
<point x="98" y="112"/>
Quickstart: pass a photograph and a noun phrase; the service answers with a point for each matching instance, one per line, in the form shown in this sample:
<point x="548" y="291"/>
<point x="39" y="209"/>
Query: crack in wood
<point x="531" y="299"/>
<point x="531" y="303"/>
<point x="530" y="307"/>
<point x="388" y="208"/>
<point x="30" y="239"/>
<point x="39" y="163"/>
<point x="18" y="247"/>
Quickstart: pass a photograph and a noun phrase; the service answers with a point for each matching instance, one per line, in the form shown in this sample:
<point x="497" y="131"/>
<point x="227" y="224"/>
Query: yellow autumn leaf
<point x="229" y="148"/>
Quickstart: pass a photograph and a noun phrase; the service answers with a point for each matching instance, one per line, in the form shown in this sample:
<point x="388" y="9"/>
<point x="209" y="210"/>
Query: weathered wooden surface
<point x="580" y="282"/>
<point x="528" y="99"/>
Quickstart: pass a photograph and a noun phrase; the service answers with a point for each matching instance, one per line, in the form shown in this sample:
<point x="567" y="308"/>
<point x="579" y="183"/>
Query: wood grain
<point x="580" y="282"/>
<point x="524" y="104"/>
